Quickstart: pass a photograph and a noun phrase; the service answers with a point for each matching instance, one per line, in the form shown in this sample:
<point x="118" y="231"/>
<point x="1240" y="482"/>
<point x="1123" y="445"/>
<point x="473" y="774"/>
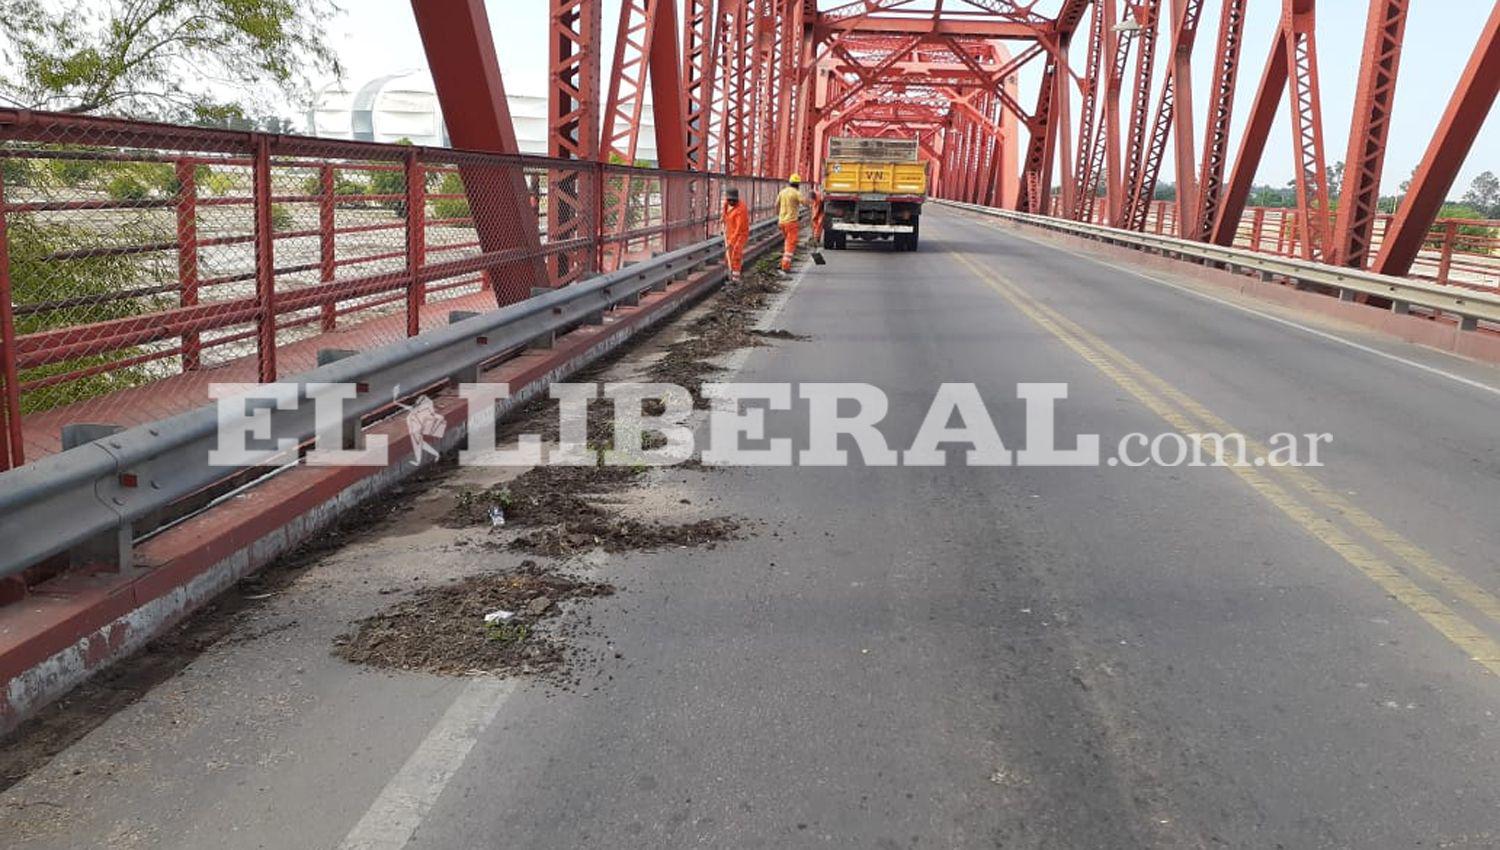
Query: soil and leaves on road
<point x="445" y="630"/>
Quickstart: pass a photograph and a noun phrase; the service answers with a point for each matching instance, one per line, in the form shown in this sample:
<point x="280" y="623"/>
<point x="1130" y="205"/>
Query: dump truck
<point x="873" y="189"/>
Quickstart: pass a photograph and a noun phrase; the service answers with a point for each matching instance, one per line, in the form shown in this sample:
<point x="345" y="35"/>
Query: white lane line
<point x="395" y="815"/>
<point x="1331" y="337"/>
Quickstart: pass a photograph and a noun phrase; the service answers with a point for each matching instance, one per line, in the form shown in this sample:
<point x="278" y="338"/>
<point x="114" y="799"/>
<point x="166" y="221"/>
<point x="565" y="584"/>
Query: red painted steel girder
<point x="466" y="74"/>
<point x="1174" y="117"/>
<point x="1252" y="146"/>
<point x="1455" y="135"/>
<point x="1298" y="32"/>
<point x="1365" y="162"/>
<point x="1036" y="174"/>
<point x="1147" y="13"/>
<point x="573" y="117"/>
<point x="1220" y="113"/>
<point x="1090" y="148"/>
<point x="697" y="79"/>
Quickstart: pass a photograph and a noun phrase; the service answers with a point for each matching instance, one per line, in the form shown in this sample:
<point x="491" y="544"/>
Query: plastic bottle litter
<point x="498" y="616"/>
<point x="497" y="516"/>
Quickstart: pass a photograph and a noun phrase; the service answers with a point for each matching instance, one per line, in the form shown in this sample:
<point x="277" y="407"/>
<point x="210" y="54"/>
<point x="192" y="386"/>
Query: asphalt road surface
<point x="949" y="656"/>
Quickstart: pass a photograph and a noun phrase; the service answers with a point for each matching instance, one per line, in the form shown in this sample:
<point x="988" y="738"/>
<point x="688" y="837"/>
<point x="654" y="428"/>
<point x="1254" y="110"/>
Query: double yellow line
<point x="1295" y="493"/>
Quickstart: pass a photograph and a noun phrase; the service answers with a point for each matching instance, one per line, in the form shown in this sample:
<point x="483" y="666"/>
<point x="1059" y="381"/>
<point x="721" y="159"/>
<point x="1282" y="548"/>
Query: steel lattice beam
<point x="573" y="45"/>
<point x="1365" y="162"/>
<point x="1220" y="113"/>
<point x="1461" y="123"/>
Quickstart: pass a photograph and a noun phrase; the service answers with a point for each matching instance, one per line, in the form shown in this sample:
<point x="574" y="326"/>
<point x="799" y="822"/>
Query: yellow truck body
<point x="889" y="178"/>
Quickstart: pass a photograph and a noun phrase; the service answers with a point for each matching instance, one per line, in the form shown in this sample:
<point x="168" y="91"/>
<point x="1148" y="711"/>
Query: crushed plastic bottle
<point x="497" y="516"/>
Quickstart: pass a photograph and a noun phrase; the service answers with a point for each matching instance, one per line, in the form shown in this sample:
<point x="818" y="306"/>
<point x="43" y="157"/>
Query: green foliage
<point x="507" y="632"/>
<point x="451" y="184"/>
<point x="15" y="172"/>
<point x="217" y="183"/>
<point x="169" y="59"/>
<point x="37" y="277"/>
<point x="281" y="218"/>
<point x="1484" y="195"/>
<point x="136" y="181"/>
<point x="72" y="172"/>
<point x="126" y="187"/>
<point x="1464" y="212"/>
<point x="343" y="186"/>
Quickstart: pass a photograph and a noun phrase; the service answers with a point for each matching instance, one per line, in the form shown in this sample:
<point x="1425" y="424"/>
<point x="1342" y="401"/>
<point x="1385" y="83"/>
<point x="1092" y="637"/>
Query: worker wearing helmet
<point x="736" y="233"/>
<point x="789" y="205"/>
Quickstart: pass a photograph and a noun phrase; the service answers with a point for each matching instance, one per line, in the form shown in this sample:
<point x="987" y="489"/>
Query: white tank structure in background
<point x="404" y="105"/>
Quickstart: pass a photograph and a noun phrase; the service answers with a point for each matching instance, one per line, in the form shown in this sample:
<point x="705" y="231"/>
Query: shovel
<point x="817" y="258"/>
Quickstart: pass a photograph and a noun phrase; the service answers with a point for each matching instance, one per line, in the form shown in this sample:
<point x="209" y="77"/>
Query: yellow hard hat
<point x="795" y="178"/>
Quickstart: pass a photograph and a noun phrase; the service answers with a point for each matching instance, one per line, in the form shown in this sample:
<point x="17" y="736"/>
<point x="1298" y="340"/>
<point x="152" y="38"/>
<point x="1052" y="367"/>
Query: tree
<point x="1484" y="195"/>
<point x="1336" y="182"/>
<point x="1405" y="189"/>
<point x="166" y="59"/>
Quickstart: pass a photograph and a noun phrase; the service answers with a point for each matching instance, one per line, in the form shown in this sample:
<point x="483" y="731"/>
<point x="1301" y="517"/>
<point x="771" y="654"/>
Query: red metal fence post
<point x="327" y="247"/>
<point x="416" y="240"/>
<point x="1445" y="261"/>
<point x="11" y="450"/>
<point x="187" y="255"/>
<point x="265" y="261"/>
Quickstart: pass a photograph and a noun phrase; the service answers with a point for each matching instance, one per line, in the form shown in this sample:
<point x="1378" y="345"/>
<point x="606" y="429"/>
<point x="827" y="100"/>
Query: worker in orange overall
<point x="736" y="233"/>
<point x="789" y="205"/>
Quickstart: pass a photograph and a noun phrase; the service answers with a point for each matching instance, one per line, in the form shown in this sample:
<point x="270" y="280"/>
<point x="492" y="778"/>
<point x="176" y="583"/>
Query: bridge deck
<point x="909" y="656"/>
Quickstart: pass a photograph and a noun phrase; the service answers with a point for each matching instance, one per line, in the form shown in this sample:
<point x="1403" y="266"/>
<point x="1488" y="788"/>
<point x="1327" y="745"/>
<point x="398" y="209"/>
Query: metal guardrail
<point x="1470" y="306"/>
<point x="91" y="498"/>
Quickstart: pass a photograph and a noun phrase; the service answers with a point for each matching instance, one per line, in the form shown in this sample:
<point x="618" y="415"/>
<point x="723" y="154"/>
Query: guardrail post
<point x="187" y="256"/>
<point x="114" y="549"/>
<point x="416" y="241"/>
<point x="1257" y="228"/>
<point x="1445" y="262"/>
<point x="11" y="446"/>
<point x="327" y="247"/>
<point x="265" y="261"/>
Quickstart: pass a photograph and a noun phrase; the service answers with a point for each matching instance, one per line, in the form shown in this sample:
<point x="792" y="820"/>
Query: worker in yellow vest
<point x="789" y="205"/>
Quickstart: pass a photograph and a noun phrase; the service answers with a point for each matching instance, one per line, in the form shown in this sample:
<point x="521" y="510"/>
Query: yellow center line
<point x="1403" y="548"/>
<point x="1134" y="379"/>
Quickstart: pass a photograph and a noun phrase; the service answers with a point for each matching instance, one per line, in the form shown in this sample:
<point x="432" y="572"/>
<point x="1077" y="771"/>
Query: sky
<point x="373" y="37"/>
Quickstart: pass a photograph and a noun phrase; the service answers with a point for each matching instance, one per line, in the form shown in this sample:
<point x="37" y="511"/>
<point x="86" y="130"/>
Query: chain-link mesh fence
<point x="143" y="262"/>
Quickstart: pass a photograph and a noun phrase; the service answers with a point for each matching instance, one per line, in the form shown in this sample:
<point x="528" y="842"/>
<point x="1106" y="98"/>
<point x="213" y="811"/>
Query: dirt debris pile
<point x="443" y="629"/>
<point x="564" y="511"/>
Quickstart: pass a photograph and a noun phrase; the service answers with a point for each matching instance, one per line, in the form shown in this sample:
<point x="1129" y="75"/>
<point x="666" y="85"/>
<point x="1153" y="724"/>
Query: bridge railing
<point x="139" y="262"/>
<point x="1459" y="251"/>
<point x="1471" y="309"/>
